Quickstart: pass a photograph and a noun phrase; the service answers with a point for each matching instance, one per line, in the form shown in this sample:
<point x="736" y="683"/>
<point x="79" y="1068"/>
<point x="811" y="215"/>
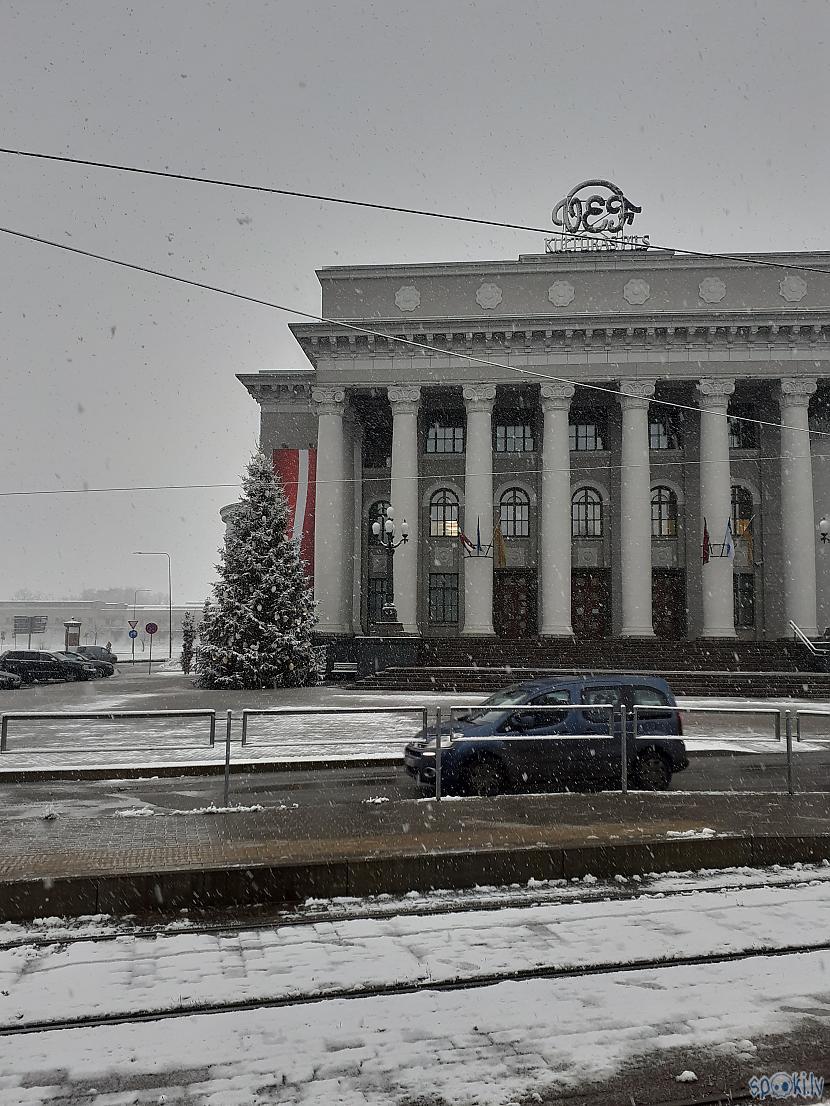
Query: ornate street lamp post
<point x="385" y="534"/>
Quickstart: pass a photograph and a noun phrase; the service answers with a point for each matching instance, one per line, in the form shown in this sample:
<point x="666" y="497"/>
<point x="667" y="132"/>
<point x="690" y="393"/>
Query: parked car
<point x="37" y="666"/>
<point x="501" y="747"/>
<point x="9" y="682"/>
<point x="97" y="653"/>
<point x="102" y="668"/>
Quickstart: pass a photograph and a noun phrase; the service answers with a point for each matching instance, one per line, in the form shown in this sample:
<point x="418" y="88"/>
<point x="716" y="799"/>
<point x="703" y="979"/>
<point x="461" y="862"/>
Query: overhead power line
<point x="421" y="346"/>
<point x="577" y="470"/>
<point x="424" y="212"/>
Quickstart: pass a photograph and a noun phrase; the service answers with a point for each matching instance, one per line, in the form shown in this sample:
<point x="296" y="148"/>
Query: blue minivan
<point x="510" y="742"/>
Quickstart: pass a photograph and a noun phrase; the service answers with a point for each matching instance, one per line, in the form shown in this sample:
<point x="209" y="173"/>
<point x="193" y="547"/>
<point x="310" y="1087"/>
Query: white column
<point x="331" y="543"/>
<point x="555" y="520"/>
<point x="405" y="500"/>
<point x="716" y="505"/>
<point x="357" y="526"/>
<point x="635" y="509"/>
<point x="797" y="514"/>
<point x="478" y="507"/>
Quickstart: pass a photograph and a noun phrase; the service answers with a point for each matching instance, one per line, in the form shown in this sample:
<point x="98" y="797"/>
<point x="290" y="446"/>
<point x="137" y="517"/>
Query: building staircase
<point x="700" y="667"/>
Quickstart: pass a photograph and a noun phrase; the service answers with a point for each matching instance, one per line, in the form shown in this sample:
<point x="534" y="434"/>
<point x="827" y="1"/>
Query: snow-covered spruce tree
<point x="257" y="628"/>
<point x="188" y="637"/>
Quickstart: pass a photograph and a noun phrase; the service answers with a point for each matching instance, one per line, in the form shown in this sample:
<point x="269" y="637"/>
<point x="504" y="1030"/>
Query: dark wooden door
<point x="590" y="603"/>
<point x="668" y="601"/>
<point x="514" y="603"/>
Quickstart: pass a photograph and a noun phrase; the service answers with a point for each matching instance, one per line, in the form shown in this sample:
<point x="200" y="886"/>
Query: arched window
<point x="514" y="514"/>
<point x="586" y="514"/>
<point x="743" y="511"/>
<point x="663" y="513"/>
<point x="377" y="513"/>
<point x="443" y="514"/>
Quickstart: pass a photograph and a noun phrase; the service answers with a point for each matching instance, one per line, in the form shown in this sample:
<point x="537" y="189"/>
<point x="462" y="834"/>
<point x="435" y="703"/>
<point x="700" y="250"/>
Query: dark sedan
<point x="561" y="733"/>
<point x="35" y="666"/>
<point x="9" y="682"/>
<point x="102" y="668"/>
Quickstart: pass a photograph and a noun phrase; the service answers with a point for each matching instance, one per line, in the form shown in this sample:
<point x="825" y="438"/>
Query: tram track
<point x="399" y="908"/>
<point x="473" y="981"/>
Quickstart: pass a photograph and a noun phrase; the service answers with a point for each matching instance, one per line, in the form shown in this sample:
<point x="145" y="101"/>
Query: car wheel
<point x="652" y="771"/>
<point x="483" y="777"/>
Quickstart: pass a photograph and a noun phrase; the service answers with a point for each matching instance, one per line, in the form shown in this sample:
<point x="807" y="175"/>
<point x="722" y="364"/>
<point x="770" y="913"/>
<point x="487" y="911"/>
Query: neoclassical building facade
<point x="586" y="444"/>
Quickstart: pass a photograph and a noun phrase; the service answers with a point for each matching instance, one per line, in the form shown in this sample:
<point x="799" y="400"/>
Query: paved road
<point x="86" y="799"/>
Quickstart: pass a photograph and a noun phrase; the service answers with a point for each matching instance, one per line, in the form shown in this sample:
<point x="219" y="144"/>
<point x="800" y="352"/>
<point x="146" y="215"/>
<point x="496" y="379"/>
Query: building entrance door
<point x="668" y="602"/>
<point x="590" y="602"/>
<point x="514" y="603"/>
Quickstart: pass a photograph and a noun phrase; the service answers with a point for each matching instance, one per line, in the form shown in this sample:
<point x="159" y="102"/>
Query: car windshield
<point x="508" y="697"/>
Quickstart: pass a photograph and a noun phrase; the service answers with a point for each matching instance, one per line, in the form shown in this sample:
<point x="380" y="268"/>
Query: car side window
<point x="650" y="697"/>
<point x="550" y="698"/>
<point x="606" y="695"/>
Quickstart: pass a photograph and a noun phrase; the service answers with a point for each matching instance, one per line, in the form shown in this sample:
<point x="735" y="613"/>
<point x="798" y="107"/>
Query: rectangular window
<point x="514" y="438"/>
<point x="663" y="434"/>
<point x="587" y="433"/>
<point x="376" y="597"/>
<point x="744" y="593"/>
<point x="443" y="597"/>
<point x="742" y="434"/>
<point x="445" y="438"/>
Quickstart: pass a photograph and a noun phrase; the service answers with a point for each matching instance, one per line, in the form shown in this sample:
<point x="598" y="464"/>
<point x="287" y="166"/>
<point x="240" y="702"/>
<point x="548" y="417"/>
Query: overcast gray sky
<point x="712" y="116"/>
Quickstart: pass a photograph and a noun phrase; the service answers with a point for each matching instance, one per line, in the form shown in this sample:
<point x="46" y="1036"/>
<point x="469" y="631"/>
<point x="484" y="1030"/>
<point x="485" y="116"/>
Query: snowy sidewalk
<point x="505" y="1043"/>
<point x="137" y="975"/>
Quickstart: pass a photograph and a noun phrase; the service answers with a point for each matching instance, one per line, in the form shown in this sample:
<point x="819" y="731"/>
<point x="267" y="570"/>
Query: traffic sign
<point x="151" y="628"/>
<point x="133" y="634"/>
<point x="132" y="624"/>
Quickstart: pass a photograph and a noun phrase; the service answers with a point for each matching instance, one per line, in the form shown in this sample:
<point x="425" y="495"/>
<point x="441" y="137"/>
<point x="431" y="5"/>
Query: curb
<point x="201" y="888"/>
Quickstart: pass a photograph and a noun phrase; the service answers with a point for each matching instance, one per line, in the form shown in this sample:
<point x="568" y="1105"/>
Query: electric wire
<point x="422" y="346"/>
<point x="574" y="470"/>
<point x="423" y="212"/>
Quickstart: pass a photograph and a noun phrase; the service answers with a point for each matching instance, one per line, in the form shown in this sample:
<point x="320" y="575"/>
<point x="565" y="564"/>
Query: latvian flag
<point x="297" y="470"/>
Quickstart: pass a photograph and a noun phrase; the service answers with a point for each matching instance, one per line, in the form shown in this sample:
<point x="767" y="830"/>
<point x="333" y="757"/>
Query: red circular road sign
<point x="151" y="627"/>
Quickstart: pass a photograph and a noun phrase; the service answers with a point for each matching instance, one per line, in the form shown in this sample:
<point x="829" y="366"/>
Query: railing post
<point x="438" y="753"/>
<point x="798" y="726"/>
<point x="778" y="725"/>
<point x="624" y="741"/>
<point x="4" y="725"/>
<point x="789" y="732"/>
<point x="226" y="798"/>
<point x="212" y="728"/>
<point x="244" y="726"/>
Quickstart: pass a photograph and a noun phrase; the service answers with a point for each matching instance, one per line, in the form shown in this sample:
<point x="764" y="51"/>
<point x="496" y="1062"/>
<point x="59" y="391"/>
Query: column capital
<point x="328" y="400"/>
<point x="714" y="392"/>
<point x="557" y="396"/>
<point x="635" y="394"/>
<point x="479" y="397"/>
<point x="796" y="391"/>
<point x="404" y="398"/>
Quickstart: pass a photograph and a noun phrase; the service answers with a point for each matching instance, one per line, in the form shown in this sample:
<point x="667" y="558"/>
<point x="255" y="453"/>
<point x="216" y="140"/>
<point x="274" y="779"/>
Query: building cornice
<point x="781" y="330"/>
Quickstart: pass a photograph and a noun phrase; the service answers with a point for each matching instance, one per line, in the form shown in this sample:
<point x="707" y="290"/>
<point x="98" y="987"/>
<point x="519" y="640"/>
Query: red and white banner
<point x="297" y="470"/>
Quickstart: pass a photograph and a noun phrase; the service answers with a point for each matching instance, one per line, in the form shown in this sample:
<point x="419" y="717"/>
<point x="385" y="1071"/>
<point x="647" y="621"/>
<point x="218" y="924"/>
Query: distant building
<point x="100" y="623"/>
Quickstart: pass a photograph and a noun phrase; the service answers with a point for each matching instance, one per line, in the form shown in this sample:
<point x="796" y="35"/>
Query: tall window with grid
<point x="514" y="514"/>
<point x="443" y="597"/>
<point x="586" y="514"/>
<point x="443" y="514"/>
<point x="742" y="433"/>
<point x="663" y="513"/>
<point x="587" y="432"/>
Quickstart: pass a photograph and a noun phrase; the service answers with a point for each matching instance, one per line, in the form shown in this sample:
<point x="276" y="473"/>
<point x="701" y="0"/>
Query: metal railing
<point x="770" y="712"/>
<point x="809" y="712"/>
<point x="818" y="649"/>
<point x="107" y="716"/>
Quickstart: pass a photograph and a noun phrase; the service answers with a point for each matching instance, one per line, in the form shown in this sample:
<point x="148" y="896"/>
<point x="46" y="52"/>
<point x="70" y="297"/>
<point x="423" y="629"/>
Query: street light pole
<point x="142" y="553"/>
<point x="386" y="530"/>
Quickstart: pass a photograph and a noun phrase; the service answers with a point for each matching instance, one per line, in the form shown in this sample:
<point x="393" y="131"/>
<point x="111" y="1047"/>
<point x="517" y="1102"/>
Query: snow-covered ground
<point x="493" y="1045"/>
<point x="167" y="742"/>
